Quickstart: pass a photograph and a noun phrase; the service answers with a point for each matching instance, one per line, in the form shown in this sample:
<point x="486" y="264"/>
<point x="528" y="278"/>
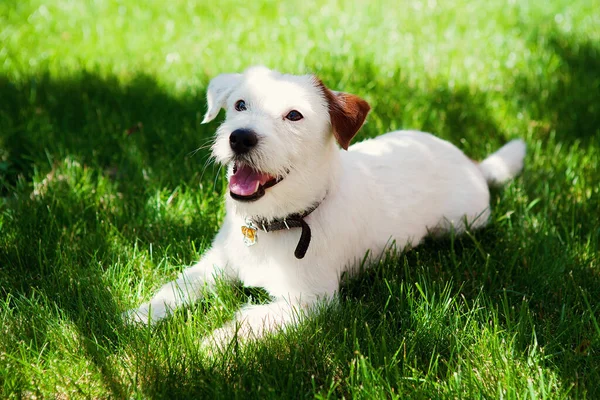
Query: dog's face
<point x="278" y="136"/>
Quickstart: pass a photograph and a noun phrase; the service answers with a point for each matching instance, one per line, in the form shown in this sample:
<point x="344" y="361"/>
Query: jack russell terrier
<point x="301" y="211"/>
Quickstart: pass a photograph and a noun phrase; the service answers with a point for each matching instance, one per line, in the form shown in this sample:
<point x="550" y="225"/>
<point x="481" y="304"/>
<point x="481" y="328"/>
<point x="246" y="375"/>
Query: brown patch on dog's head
<point x="347" y="113"/>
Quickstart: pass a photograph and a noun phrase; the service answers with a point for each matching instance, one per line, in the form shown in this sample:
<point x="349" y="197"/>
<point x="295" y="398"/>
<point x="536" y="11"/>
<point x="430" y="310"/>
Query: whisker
<point x="217" y="177"/>
<point x="206" y="145"/>
<point x="209" y="161"/>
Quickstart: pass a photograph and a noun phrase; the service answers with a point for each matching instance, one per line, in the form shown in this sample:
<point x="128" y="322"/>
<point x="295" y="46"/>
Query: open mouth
<point x="248" y="184"/>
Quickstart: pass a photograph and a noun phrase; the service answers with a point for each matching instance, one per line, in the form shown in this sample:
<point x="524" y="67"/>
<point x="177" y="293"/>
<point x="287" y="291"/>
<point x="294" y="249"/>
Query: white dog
<point x="300" y="211"/>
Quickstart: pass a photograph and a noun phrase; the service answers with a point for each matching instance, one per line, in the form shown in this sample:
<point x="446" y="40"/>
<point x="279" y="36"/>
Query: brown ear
<point x="347" y="113"/>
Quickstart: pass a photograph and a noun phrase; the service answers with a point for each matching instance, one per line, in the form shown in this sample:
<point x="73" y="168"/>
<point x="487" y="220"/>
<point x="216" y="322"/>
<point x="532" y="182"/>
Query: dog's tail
<point x="504" y="164"/>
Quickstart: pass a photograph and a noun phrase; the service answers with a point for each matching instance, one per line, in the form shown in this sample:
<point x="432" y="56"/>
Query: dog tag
<point x="250" y="233"/>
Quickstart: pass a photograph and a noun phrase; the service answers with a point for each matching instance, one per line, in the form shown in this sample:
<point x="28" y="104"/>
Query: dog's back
<point x="417" y="183"/>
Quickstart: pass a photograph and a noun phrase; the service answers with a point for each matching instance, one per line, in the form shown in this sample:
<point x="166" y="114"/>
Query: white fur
<point x="396" y="188"/>
<point x="504" y="164"/>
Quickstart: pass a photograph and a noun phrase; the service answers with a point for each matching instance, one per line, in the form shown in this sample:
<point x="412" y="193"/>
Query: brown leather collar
<point x="291" y="221"/>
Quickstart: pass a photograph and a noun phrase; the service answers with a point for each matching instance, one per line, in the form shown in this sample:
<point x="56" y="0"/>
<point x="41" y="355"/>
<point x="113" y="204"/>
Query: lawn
<point x="106" y="192"/>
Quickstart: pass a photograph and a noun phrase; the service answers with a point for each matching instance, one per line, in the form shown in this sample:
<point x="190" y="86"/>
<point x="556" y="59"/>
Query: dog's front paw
<point x="146" y="314"/>
<point x="135" y="316"/>
<point x="220" y="339"/>
<point x="228" y="337"/>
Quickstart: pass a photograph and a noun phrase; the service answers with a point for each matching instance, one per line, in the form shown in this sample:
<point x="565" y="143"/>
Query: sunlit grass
<point x="103" y="197"/>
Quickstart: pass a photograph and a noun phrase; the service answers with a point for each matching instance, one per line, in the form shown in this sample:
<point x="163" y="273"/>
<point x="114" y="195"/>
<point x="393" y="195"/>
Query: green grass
<point x="93" y="220"/>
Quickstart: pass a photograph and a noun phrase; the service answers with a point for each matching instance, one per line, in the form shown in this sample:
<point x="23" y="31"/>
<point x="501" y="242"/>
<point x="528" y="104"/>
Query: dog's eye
<point x="240" y="105"/>
<point x="294" y="115"/>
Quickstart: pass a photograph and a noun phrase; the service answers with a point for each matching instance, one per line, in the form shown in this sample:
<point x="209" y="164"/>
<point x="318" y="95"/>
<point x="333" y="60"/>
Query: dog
<point x="304" y="206"/>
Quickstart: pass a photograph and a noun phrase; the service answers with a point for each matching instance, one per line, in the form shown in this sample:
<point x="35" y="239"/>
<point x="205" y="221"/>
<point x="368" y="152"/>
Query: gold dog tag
<point x="250" y="233"/>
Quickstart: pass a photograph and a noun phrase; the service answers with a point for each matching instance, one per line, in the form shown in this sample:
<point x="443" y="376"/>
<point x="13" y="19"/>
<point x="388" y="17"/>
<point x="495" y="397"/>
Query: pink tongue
<point x="246" y="181"/>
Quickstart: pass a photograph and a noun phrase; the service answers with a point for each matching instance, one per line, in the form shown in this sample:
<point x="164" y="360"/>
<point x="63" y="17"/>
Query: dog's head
<point x="278" y="138"/>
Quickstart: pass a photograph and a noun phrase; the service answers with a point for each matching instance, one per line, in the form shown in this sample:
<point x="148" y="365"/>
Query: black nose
<point x="242" y="140"/>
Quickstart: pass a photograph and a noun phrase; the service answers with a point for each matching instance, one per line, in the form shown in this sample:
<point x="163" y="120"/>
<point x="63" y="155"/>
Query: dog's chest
<point x="269" y="262"/>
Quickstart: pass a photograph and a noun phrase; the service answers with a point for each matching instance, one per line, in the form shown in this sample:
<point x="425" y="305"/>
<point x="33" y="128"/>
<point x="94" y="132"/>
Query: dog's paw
<point x="220" y="339"/>
<point x="146" y="314"/>
<point x="135" y="316"/>
<point x="227" y="338"/>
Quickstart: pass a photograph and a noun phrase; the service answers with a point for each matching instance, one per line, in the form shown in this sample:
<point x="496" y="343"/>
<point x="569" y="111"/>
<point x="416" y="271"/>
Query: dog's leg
<point x="254" y="321"/>
<point x="184" y="290"/>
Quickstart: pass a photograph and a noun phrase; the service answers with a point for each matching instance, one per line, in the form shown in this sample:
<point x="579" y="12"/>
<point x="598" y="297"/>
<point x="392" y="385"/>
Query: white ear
<point x="216" y="94"/>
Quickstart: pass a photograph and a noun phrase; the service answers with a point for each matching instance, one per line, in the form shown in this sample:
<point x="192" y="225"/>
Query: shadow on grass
<point x="128" y="129"/>
<point x="140" y="137"/>
<point x="79" y="135"/>
<point x="568" y="100"/>
<point x="48" y="259"/>
<point x="459" y="114"/>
